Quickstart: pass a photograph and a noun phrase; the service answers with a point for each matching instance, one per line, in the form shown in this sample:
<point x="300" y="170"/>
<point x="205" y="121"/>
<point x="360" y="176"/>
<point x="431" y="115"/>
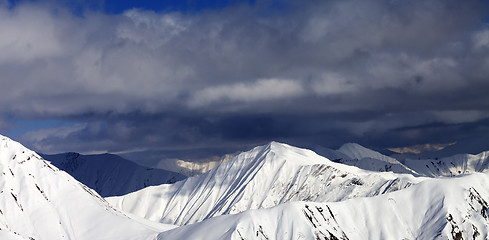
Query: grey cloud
<point x="170" y="135"/>
<point x="315" y="71"/>
<point x="154" y="60"/>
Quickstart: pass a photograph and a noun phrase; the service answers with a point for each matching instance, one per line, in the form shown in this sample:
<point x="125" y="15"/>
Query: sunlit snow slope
<point x="111" y="175"/>
<point x="38" y="201"/>
<point x="263" y="177"/>
<point x="452" y="209"/>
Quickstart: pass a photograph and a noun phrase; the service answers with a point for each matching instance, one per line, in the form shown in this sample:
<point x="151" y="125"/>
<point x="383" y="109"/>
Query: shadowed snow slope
<point x="111" y="175"/>
<point x="262" y="177"/>
<point x="434" y="209"/>
<point x="451" y="166"/>
<point x="38" y="201"/>
<point x="356" y="155"/>
<point x="357" y="151"/>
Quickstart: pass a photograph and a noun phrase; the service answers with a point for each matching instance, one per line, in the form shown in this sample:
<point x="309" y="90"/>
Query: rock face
<point x="111" y="175"/>
<point x="38" y="201"/>
<point x="263" y="177"/>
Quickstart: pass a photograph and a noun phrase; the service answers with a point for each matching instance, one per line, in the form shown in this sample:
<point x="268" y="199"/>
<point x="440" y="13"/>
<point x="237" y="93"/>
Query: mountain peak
<point x="273" y="145"/>
<point x="262" y="177"/>
<point x="276" y="151"/>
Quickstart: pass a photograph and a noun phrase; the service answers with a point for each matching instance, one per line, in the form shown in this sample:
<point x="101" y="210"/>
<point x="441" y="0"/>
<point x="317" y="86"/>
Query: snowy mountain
<point x="111" y="175"/>
<point x="38" y="201"/>
<point x="274" y="191"/>
<point x="434" y="209"/>
<point x="356" y="155"/>
<point x="263" y="177"/>
<point x="451" y="166"/>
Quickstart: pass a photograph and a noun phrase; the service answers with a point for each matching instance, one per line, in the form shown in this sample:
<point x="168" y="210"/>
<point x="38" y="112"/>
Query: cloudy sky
<point x="210" y="77"/>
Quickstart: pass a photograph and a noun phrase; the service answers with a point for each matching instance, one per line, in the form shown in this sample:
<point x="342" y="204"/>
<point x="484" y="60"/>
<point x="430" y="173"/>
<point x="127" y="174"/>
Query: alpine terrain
<point x="111" y="175"/>
<point x="452" y="209"/>
<point x="39" y="201"/>
<point x="263" y="177"/>
<point x="275" y="191"/>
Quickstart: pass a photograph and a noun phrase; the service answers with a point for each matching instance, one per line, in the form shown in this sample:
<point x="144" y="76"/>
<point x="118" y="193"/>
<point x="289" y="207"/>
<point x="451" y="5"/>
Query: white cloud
<point x="151" y="29"/>
<point x="28" y="33"/>
<point x="261" y="90"/>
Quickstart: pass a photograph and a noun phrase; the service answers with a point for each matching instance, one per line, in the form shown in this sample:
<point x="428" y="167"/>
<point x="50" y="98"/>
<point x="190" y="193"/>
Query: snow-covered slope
<point x="111" y="175"/>
<point x="263" y="177"/>
<point x="451" y="166"/>
<point x="38" y="201"/>
<point x="434" y="209"/>
<point x="356" y="155"/>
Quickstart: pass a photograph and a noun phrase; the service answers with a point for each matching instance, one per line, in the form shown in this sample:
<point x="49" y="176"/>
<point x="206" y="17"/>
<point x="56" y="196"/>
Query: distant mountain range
<point x="275" y="191"/>
<point x="356" y="155"/>
<point x="459" y="164"/>
<point x="111" y="175"/>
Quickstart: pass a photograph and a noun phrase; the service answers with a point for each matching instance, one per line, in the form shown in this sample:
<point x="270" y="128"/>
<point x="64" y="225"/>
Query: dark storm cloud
<point x="304" y="72"/>
<point x="468" y="137"/>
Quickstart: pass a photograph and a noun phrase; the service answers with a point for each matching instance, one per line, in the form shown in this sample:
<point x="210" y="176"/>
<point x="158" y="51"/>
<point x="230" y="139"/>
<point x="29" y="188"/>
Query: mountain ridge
<point x="262" y="177"/>
<point x="109" y="174"/>
<point x="455" y="165"/>
<point x="451" y="208"/>
<point x="354" y="154"/>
